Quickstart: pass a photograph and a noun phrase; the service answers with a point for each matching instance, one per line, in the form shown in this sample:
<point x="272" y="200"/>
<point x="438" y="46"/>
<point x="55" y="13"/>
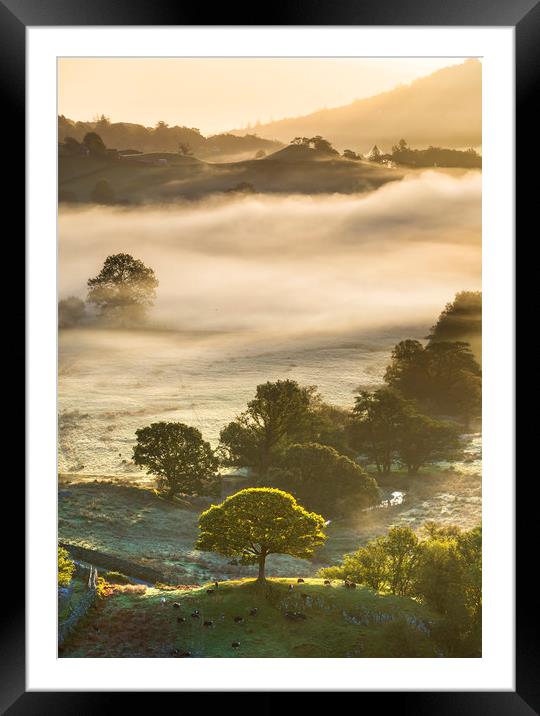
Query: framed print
<point x="270" y="355"/>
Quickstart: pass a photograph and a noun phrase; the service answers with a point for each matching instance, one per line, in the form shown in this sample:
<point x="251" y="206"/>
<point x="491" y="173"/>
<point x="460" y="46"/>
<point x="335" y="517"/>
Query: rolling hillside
<point x="176" y="177"/>
<point x="442" y="109"/>
<point x="245" y="619"/>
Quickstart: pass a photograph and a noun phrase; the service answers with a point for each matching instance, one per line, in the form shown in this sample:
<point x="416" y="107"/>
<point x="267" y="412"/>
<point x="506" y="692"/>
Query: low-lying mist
<point x="292" y="264"/>
<point x="255" y="288"/>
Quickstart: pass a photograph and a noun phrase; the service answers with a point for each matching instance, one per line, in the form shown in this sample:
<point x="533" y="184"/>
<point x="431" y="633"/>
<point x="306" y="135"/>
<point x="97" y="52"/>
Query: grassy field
<point x="339" y="622"/>
<point x="124" y="517"/>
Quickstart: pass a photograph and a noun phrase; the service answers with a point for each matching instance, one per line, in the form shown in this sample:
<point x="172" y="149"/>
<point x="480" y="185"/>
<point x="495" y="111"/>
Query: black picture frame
<point x="524" y="16"/>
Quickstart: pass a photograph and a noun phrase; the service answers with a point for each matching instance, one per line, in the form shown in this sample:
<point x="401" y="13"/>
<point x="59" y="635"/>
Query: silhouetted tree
<point x="95" y="145"/>
<point x="124" y="288"/>
<point x="177" y="455"/>
<point x="282" y="413"/>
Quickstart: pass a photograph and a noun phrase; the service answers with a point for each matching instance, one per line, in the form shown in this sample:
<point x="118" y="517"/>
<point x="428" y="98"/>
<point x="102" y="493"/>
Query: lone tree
<point x="124" y="288"/>
<point x="257" y="522"/>
<point x="177" y="454"/>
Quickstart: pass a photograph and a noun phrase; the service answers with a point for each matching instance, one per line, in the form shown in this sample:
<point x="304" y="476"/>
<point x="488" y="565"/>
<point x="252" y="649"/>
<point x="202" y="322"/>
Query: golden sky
<point x="220" y="94"/>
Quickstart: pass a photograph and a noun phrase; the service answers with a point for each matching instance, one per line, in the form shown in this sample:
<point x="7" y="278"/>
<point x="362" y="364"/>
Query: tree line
<point x="160" y="138"/>
<point x="288" y="436"/>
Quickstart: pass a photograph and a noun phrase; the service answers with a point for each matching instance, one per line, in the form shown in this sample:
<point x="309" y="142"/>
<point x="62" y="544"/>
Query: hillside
<point x="331" y="621"/>
<point x="442" y="109"/>
<point x="162" y="138"/>
<point x="158" y="177"/>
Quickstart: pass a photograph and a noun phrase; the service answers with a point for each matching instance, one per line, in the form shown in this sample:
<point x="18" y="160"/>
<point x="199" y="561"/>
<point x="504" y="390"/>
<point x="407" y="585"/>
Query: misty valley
<point x="269" y="389"/>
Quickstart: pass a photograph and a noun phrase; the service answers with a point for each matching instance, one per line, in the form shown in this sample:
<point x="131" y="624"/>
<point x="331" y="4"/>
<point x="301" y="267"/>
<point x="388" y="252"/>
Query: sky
<point x="220" y="94"/>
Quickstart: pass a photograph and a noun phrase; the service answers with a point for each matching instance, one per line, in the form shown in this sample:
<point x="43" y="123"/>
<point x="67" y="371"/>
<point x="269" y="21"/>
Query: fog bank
<point x="292" y="264"/>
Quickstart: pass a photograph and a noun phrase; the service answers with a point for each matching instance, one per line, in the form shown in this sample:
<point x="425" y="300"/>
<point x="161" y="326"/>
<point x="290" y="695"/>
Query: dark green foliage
<point x="423" y="440"/>
<point x="257" y="522"/>
<point x="282" y="413"/>
<point x="324" y="480"/>
<point x="377" y="426"/>
<point x="443" y="377"/>
<point x="349" y="154"/>
<point x="177" y="455"/>
<point x="449" y="580"/>
<point x="124" y="288"/>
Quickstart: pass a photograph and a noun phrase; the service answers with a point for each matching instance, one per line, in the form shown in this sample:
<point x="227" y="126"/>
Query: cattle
<point x="238" y="620"/>
<point x="291" y="587"/>
<point x="208" y="623"/>
<point x="180" y="620"/>
<point x="235" y="644"/>
<point x="210" y="591"/>
<point x="195" y="615"/>
<point x="253" y="612"/>
<point x="327" y="582"/>
<point x="176" y="605"/>
<point x="185" y="654"/>
<point x="299" y="580"/>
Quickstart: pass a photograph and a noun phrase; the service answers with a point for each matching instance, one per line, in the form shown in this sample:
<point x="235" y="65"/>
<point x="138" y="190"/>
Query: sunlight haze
<point x="231" y="93"/>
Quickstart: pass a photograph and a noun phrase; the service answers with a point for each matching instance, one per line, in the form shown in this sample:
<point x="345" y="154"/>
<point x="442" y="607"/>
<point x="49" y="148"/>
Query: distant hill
<point x="161" y="176"/>
<point x="162" y="138"/>
<point x="442" y="109"/>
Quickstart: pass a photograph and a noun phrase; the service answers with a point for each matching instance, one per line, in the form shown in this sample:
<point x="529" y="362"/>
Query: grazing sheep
<point x="180" y="620"/>
<point x="235" y="644"/>
<point x="208" y="623"/>
<point x="253" y="612"/>
<point x="238" y="620"/>
<point x="295" y="616"/>
<point x="327" y="582"/>
<point x="299" y="580"/>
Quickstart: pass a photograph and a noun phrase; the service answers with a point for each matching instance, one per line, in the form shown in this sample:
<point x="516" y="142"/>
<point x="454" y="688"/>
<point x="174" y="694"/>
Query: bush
<point x="66" y="567"/>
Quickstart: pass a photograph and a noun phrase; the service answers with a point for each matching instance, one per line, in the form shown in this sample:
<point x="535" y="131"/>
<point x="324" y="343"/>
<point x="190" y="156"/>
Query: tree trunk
<point x="262" y="560"/>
